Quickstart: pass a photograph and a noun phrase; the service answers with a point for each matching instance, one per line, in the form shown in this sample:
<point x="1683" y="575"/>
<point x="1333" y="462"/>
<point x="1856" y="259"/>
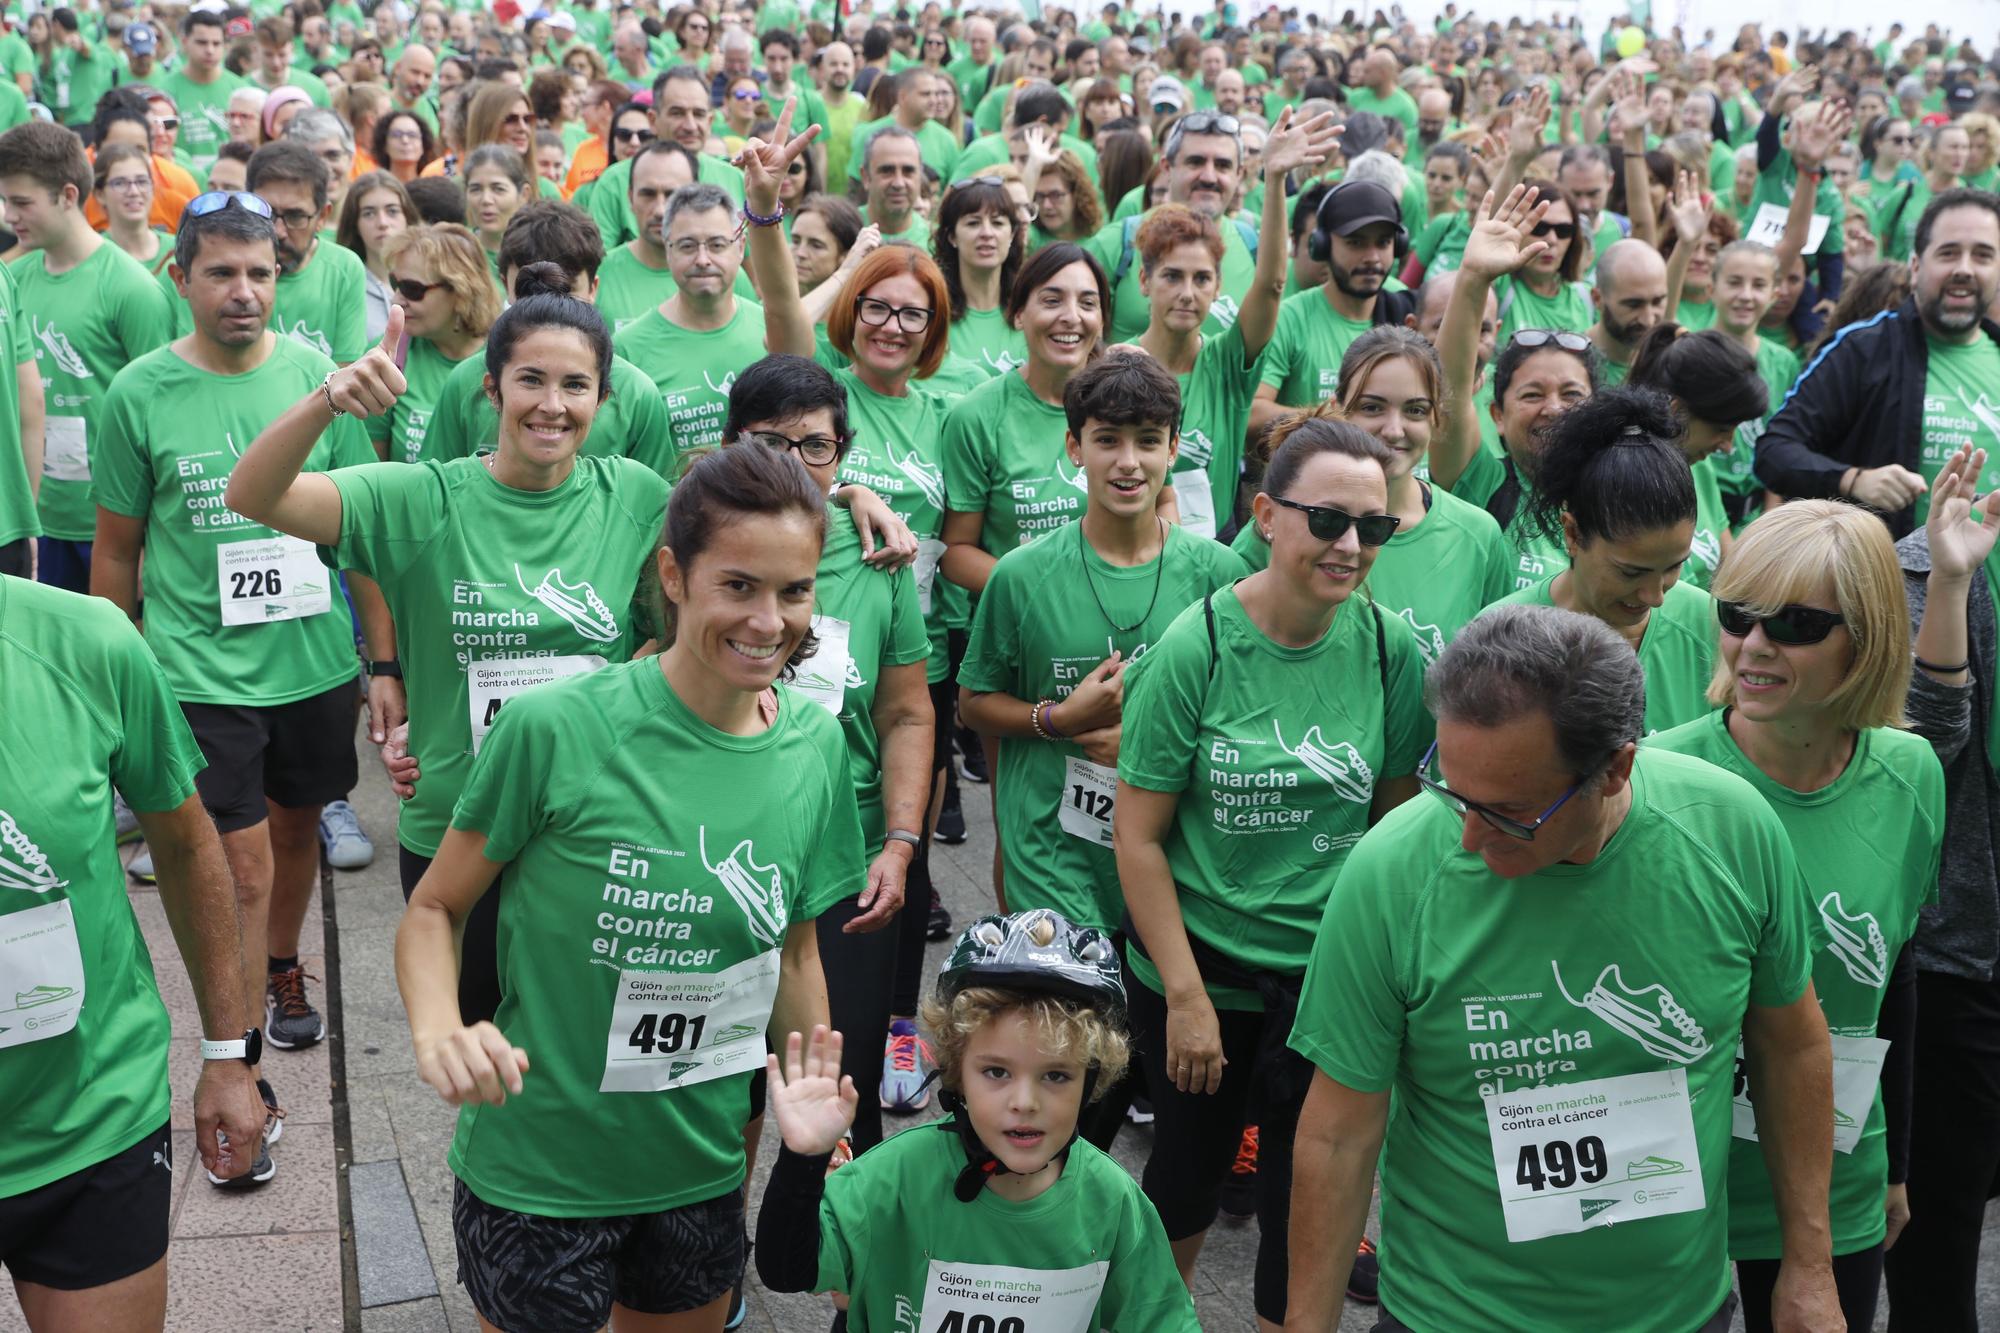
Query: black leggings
<point x="1857" y="1276"/>
<point x="913" y="928"/>
<point x="1195" y="1136"/>
<point x="859" y="970"/>
<point x="478" y="953"/>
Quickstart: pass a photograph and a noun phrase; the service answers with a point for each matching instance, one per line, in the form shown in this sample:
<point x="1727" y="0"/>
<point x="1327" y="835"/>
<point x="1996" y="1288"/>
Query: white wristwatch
<point x="249" y="1048"/>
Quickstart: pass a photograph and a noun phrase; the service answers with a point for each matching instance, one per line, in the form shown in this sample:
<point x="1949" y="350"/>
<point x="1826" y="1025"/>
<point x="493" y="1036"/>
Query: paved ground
<point x="357" y="1110"/>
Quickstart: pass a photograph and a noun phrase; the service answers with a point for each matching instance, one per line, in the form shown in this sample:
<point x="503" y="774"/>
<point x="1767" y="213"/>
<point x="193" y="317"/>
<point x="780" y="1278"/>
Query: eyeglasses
<point x="124" y="184"/>
<point x="688" y="247"/>
<point x="296" y="219"/>
<point x="818" y="450"/>
<point x="1051" y="198"/>
<point x="909" y="318"/>
<point x="1562" y="231"/>
<point x="1330" y="525"/>
<point x="1569" y="342"/>
<point x="628" y="134"/>
<point x="1513" y="828"/>
<point x="406" y="135"/>
<point x="412" y="290"/>
<point x="1794" y="625"/>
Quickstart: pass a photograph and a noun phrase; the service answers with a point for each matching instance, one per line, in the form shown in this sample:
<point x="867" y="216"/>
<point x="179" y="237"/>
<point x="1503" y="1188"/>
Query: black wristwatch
<point x="391" y="668"/>
<point x="249" y="1048"/>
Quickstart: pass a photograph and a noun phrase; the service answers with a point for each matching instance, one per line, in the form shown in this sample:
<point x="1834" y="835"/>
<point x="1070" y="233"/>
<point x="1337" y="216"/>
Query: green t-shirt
<point x="1435" y="980"/>
<point x="1694" y="316"/>
<point x="916" y="231"/>
<point x="1003" y="458"/>
<point x="988" y="341"/>
<point x="1961" y="382"/>
<point x="616" y="925"/>
<point x="935" y="146"/>
<point x="204" y="112"/>
<point x="1523" y="308"/>
<point x="1131" y="312"/>
<point x="88" y="324"/>
<point x="610" y="204"/>
<point x="1215" y="419"/>
<point x="1441" y="573"/>
<point x="970" y="76"/>
<point x="1275" y="754"/>
<point x="694" y="370"/>
<point x="238" y="613"/>
<point x="1735" y="471"/>
<point x="83" y="1066"/>
<point x="76" y="80"/>
<point x="1677" y="652"/>
<point x="1868" y="847"/>
<point x="1053" y="610"/>
<point x="1441" y="244"/>
<point x="891" y="1233"/>
<point x="627" y="289"/>
<point x="1538" y="555"/>
<point x="17" y="503"/>
<point x="1302" y="361"/>
<point x="1711" y="520"/>
<point x="841" y="118"/>
<point x="867" y="620"/>
<point x="1397" y="104"/>
<point x="630" y="423"/>
<point x="486" y="582"/>
<point x="989" y="151"/>
<point x="324" y="304"/>
<point x="1775" y="185"/>
<point x="404" y="430"/>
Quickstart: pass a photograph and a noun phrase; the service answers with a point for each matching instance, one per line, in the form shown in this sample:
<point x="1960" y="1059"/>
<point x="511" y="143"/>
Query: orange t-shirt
<point x="589" y="163"/>
<point x="173" y="190"/>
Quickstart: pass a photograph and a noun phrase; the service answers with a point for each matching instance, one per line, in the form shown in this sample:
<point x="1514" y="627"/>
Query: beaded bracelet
<point x="757" y="220"/>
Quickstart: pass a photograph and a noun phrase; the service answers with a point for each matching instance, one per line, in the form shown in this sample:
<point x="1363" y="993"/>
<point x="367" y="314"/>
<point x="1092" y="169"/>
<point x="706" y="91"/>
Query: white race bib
<point x="994" y="1298"/>
<point x="491" y="683"/>
<point x="1857" y="1072"/>
<point x="271" y="578"/>
<point x="825" y="676"/>
<point x="1768" y="227"/>
<point x="929" y="551"/>
<point x="677" y="1029"/>
<point x="65" y="449"/>
<point x="1088" y="793"/>
<point x="41" y="974"/>
<point x="1197" y="503"/>
<point x="1571" y="1156"/>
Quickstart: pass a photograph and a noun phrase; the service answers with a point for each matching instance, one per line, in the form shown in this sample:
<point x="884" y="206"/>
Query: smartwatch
<point x="249" y="1048"/>
<point x="391" y="667"/>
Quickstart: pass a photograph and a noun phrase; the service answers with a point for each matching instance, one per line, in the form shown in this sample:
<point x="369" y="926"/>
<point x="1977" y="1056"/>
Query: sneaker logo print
<point x="728" y="383"/>
<point x="1648" y="1167"/>
<point x="311" y="337"/>
<point x="1073" y="475"/>
<point x="1430" y="639"/>
<point x="758" y="890"/>
<point x="577" y="603"/>
<point x="1857" y="941"/>
<point x="59" y="349"/>
<point x="925" y="475"/>
<point x="1340" y="766"/>
<point x="1649" y="1015"/>
<point x="1987" y="411"/>
<point x="1707" y="547"/>
<point x="40" y="995"/>
<point x="23" y="865"/>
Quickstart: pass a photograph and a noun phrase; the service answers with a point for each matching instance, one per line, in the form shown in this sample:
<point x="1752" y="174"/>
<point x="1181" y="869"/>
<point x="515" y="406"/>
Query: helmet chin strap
<point x="980" y="1162"/>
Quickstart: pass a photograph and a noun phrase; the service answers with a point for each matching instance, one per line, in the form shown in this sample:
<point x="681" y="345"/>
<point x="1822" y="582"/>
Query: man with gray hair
<point x="1569" y="966"/>
<point x="695" y="342"/>
<point x="892" y="168"/>
<point x="912" y="114"/>
<point x="332" y="141"/>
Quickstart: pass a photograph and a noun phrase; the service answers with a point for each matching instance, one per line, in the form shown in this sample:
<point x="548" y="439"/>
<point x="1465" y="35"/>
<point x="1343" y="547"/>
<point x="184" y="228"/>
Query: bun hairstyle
<point x="1613" y="464"/>
<point x="1709" y="373"/>
<point x="542" y="300"/>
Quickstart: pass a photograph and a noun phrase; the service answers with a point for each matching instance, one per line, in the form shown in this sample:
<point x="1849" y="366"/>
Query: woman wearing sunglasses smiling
<point x="1815" y="666"/>
<point x="1612" y="485"/>
<point x="440" y="279"/>
<point x="1268" y="729"/>
<point x="1546" y="293"/>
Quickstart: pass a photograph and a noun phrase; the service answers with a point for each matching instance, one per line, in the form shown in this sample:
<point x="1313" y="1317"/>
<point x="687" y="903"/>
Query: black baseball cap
<point x="1352" y="205"/>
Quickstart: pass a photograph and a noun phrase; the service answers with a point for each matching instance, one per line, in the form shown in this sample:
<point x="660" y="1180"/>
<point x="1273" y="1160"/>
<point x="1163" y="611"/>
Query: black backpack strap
<point x="1381" y="652"/>
<point x="1505" y="502"/>
<point x="1208" y="614"/>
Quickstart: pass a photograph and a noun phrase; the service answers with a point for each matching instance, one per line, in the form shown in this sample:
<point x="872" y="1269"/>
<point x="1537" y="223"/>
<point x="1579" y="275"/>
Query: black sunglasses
<point x="1329" y="525"/>
<point x="628" y="134"/>
<point x="1794" y="625"/>
<point x="1560" y="230"/>
<point x="1563" y="338"/>
<point x="412" y="290"/>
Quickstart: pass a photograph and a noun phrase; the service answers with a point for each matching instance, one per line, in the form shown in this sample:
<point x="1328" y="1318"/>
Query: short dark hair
<point x="1713" y="375"/>
<point x="552" y="231"/>
<point x="236" y="151"/>
<point x="1614" y="465"/>
<point x="1122" y="389"/>
<point x="232" y="222"/>
<point x="49" y="155"/>
<point x="778" y="387"/>
<point x="204" y="18"/>
<point x="121" y="104"/>
<point x="1313" y="436"/>
<point x="1043" y="265"/>
<point x="1040" y="102"/>
<point x="662" y="148"/>
<point x="543" y="301"/>
<point x="1958" y="196"/>
<point x="438" y="199"/>
<point x="778" y="37"/>
<point x="288" y="160"/>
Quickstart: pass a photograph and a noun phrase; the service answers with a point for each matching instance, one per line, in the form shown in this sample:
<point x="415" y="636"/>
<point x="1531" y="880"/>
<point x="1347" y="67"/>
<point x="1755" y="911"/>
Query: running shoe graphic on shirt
<point x="1707" y="548"/>
<point x="1856" y="940"/>
<point x="36" y="996"/>
<point x="728" y="383"/>
<point x="300" y="333"/>
<point x="1340" y="766"/>
<point x="1073" y="475"/>
<point x="1430" y="639"/>
<point x="1986" y="410"/>
<point x="925" y="475"/>
<point x="1647" y="1167"/>
<point x="758" y="890"/>
<point x="23" y="865"/>
<point x="577" y="603"/>
<point x="63" y="354"/>
<point x="1648" y="1015"/>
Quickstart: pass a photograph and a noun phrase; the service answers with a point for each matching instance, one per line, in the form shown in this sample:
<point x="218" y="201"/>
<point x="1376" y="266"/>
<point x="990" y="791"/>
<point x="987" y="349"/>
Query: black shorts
<point x="299" y="754"/>
<point x="561" y="1274"/>
<point x="93" y="1226"/>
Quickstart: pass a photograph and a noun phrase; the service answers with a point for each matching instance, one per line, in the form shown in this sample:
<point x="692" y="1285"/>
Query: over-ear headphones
<point x="1357" y="203"/>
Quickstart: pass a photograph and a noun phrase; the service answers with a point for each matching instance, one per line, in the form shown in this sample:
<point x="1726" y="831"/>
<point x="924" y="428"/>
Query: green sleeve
<point x="1407" y="728"/>
<point x="349" y="334"/>
<point x="1164" y="694"/>
<point x="609" y="208"/>
<point x="843" y="1232"/>
<point x="835" y="868"/>
<point x="156" y="757"/>
<point x="449" y="434"/>
<point x="1142" y="1289"/>
<point x="121" y="471"/>
<point x="1482" y="477"/>
<point x="1352" y="1009"/>
<point x="909" y="637"/>
<point x="18" y="332"/>
<point x="1499" y="561"/>
<point x="967" y="483"/>
<point x="993" y="651"/>
<point x="1428" y="240"/>
<point x="1107" y="246"/>
<point x="1783" y="966"/>
<point x="508" y="796"/>
<point x="388" y="512"/>
<point x="1282" y="352"/>
<point x="144" y="321"/>
<point x="652" y="439"/>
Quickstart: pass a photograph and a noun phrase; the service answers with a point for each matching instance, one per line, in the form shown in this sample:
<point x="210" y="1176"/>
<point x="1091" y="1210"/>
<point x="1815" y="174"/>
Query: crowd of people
<point x="1536" y="485"/>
